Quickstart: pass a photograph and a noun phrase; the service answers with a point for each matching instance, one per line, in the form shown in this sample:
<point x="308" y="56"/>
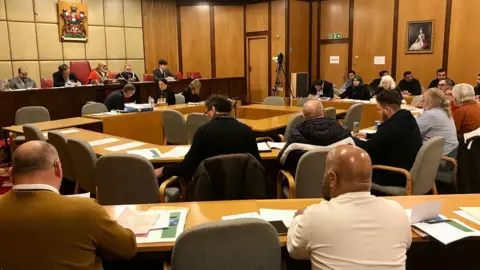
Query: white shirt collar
<point x="34" y="187"/>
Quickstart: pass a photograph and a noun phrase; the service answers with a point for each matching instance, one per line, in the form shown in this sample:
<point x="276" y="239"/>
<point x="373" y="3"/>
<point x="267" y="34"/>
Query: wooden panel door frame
<point x="247" y="58"/>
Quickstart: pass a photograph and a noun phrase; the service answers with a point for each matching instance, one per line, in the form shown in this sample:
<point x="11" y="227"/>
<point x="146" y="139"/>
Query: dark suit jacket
<point x="168" y="95"/>
<point x="115" y="101"/>
<point x="59" y="80"/>
<point x="129" y="76"/>
<point x="434" y="83"/>
<point x="327" y="90"/>
<point x="412" y="87"/>
<point x="158" y="74"/>
<point x="360" y="92"/>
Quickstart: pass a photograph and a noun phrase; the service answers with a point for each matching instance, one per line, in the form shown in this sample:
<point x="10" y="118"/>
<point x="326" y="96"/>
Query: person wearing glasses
<point x="222" y="135"/>
<point x="116" y="100"/>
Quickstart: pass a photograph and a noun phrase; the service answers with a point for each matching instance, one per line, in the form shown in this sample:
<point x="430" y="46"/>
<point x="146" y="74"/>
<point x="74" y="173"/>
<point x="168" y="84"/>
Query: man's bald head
<point x="102" y="65"/>
<point x="313" y="109"/>
<point x="347" y="169"/>
<point x="36" y="162"/>
<point x="22" y="72"/>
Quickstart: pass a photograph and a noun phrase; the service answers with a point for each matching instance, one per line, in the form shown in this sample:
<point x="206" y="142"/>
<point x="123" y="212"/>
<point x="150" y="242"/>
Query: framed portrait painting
<point x="419" y="37"/>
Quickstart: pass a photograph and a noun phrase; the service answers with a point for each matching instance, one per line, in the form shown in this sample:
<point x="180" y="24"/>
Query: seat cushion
<point x="172" y="194"/>
<point x="390" y="190"/>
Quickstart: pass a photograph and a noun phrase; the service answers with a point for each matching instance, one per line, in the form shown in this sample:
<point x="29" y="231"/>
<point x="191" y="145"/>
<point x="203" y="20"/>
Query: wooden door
<point x="257" y="68"/>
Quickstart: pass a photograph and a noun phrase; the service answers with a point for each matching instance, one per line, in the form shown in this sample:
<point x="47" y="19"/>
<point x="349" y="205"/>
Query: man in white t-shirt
<point x="354" y="230"/>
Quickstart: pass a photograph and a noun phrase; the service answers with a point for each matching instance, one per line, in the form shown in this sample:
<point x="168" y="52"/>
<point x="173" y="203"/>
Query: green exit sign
<point x="338" y="35"/>
<point x="331" y="36"/>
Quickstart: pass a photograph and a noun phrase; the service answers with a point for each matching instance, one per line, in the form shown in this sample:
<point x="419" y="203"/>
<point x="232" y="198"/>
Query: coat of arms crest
<point x="74" y="26"/>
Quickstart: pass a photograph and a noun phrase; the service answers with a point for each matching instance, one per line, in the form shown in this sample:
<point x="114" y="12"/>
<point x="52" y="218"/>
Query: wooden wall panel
<point x="463" y="64"/>
<point x="423" y="66"/>
<point x="278" y="34"/>
<point x="372" y="36"/>
<point x="299" y="27"/>
<point x="334" y="17"/>
<point x="160" y="33"/>
<point x="334" y="73"/>
<point x="195" y="34"/>
<point x="313" y="55"/>
<point x="229" y="35"/>
<point x="257" y="17"/>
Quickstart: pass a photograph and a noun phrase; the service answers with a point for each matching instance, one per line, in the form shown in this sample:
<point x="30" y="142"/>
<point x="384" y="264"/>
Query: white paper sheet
<point x="137" y="222"/>
<point x="105" y="113"/>
<point x="379" y="60"/>
<point x="368" y="131"/>
<point x="276" y="145"/>
<point x="424" y="211"/>
<point x="102" y="141"/>
<point x="472" y="211"/>
<point x="163" y="220"/>
<point x="157" y="236"/>
<point x="81" y="195"/>
<point x="176" y="152"/>
<point x="263" y="147"/>
<point x="334" y="59"/>
<point x="68" y="131"/>
<point x="148" y="153"/>
<point x="243" y="215"/>
<point x="446" y="232"/>
<point x="277" y="214"/>
<point x="466" y="216"/>
<point x="124" y="146"/>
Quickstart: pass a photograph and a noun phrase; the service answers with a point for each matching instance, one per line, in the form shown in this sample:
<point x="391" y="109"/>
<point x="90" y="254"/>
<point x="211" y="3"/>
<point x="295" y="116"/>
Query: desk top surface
<point x="203" y="212"/>
<point x="55" y="124"/>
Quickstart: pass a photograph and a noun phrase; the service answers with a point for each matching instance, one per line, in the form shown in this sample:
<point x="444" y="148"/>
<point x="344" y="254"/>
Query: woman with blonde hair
<point x="388" y="83"/>
<point x="192" y="92"/>
<point x="467" y="115"/>
<point x="436" y="120"/>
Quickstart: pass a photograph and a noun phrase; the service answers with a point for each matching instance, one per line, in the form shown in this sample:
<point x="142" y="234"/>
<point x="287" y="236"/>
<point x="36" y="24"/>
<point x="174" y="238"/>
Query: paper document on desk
<point x="149" y="153"/>
<point x="243" y="215"/>
<point x="425" y="211"/>
<point x="467" y="216"/>
<point x="124" y="146"/>
<point x="176" y="224"/>
<point x="105" y="113"/>
<point x="277" y="214"/>
<point x="276" y="145"/>
<point x="447" y="231"/>
<point x="68" y="131"/>
<point x="163" y="220"/>
<point x="102" y="141"/>
<point x="176" y="152"/>
<point x="472" y="211"/>
<point x="263" y="147"/>
<point x="138" y="222"/>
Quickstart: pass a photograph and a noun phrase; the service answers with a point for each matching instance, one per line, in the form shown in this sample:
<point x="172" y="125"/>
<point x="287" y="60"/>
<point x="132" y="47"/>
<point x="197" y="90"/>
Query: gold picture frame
<point x="419" y="37"/>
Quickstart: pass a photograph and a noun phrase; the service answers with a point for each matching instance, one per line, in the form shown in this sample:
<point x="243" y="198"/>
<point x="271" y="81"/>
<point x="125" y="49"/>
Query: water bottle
<point x="355" y="127"/>
<point x="151" y="102"/>
<point x="377" y="124"/>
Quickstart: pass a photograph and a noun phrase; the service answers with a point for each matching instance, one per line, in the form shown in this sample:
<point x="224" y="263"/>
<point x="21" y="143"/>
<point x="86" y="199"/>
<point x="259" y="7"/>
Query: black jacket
<point x="59" y="80"/>
<point x="318" y="131"/>
<point x="434" y="83"/>
<point x="380" y="89"/>
<point x="396" y="144"/>
<point x="375" y="83"/>
<point x="477" y="90"/>
<point x="412" y="87"/>
<point x="158" y="74"/>
<point x="360" y="92"/>
<point x="168" y="95"/>
<point x="327" y="90"/>
<point x="220" y="136"/>
<point x="115" y="101"/>
<point x="189" y="96"/>
<point x="129" y="76"/>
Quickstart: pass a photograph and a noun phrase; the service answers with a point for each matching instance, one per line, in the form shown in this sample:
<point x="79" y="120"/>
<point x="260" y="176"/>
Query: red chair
<point x="194" y="75"/>
<point x="46" y="83"/>
<point x="178" y="75"/>
<point x="81" y="69"/>
<point x="148" y="78"/>
<point x="113" y="75"/>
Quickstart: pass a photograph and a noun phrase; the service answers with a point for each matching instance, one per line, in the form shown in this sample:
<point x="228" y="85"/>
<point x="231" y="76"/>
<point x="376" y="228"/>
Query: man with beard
<point x="410" y="85"/>
<point x="441" y="75"/>
<point x="396" y="141"/>
<point x="127" y="74"/>
<point x="347" y="232"/>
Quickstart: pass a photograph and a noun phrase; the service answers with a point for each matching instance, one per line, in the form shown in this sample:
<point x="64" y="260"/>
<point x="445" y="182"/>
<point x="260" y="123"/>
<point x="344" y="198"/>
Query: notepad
<point x="102" y="141"/>
<point x="263" y="147"/>
<point x="149" y="153"/>
<point x="124" y="146"/>
<point x="276" y="145"/>
<point x="176" y="152"/>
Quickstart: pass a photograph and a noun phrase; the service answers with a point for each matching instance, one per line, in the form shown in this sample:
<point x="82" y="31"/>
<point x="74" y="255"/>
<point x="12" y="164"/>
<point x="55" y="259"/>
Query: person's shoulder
<point x="392" y="207"/>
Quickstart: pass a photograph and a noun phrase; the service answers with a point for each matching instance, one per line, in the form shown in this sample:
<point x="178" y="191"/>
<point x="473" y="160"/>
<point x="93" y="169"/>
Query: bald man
<point x="22" y="81"/>
<point x="315" y="130"/>
<point x="127" y="74"/>
<point x="40" y="229"/>
<point x="100" y="74"/>
<point x="353" y="230"/>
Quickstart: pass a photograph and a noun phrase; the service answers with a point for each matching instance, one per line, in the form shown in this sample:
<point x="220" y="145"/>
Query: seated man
<point x="349" y="80"/>
<point x="22" y="81"/>
<point x="40" y="229"/>
<point x="396" y="142"/>
<point x="348" y="231"/>
<point x="162" y="71"/>
<point x="116" y="99"/>
<point x="315" y="130"/>
<point x="99" y="75"/>
<point x="321" y="88"/>
<point x="63" y="77"/>
<point x="222" y="135"/>
<point x="441" y="75"/>
<point x="477" y="87"/>
<point x="127" y="74"/>
<point x="410" y="85"/>
<point x="376" y="82"/>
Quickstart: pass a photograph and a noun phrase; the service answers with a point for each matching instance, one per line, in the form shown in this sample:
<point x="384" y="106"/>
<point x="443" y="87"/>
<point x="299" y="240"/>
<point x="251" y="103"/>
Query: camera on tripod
<point x="279" y="58"/>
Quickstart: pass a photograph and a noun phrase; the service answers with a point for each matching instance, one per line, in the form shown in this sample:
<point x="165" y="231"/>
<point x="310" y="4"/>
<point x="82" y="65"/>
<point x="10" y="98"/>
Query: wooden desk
<point x="203" y="212"/>
<point x="56" y="124"/>
<point x="89" y="136"/>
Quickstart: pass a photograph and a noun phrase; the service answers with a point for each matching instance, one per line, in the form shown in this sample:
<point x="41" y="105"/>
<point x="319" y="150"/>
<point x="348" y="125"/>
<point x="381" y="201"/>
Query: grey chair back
<point x="293" y="122"/>
<point x="274" y="100"/>
<point x="425" y="167"/>
<point x="31" y="114"/>
<point x="32" y="133"/>
<point x="423" y="89"/>
<point x="125" y="179"/>
<point x="194" y="121"/>
<point x="83" y="161"/>
<point x="416" y="99"/>
<point x="354" y="114"/>
<point x="309" y="174"/>
<point x="179" y="99"/>
<point x="237" y="245"/>
<point x="331" y="112"/>
<point x="174" y="127"/>
<point x="302" y="102"/>
<point x="59" y="141"/>
<point x="91" y="108"/>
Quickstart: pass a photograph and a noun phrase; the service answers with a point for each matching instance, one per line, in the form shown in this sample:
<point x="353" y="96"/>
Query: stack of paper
<point x="244" y="215"/>
<point x="263" y="147"/>
<point x="124" y="146"/>
<point x="102" y="141"/>
<point x="168" y="226"/>
<point x="138" y="222"/>
<point x="276" y="145"/>
<point x="149" y="153"/>
<point x="176" y="152"/>
<point x="268" y="215"/>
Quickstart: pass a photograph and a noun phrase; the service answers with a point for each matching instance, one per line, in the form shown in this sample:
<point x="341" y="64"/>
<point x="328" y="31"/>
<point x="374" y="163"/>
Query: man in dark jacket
<point x="441" y="75"/>
<point x="162" y="72"/>
<point x="396" y="141"/>
<point x="315" y="130"/>
<point x="477" y="87"/>
<point x="321" y="88"/>
<point x="63" y="77"/>
<point x="410" y="84"/>
<point x="376" y="82"/>
<point x="116" y="99"/>
<point x="222" y="135"/>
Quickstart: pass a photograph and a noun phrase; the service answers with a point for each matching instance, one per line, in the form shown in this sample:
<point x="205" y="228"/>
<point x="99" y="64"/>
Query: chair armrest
<point x="454" y="172"/>
<point x="164" y="185"/>
<point x="282" y="138"/>
<point x="408" y="187"/>
<point x="291" y="184"/>
<point x="269" y="139"/>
